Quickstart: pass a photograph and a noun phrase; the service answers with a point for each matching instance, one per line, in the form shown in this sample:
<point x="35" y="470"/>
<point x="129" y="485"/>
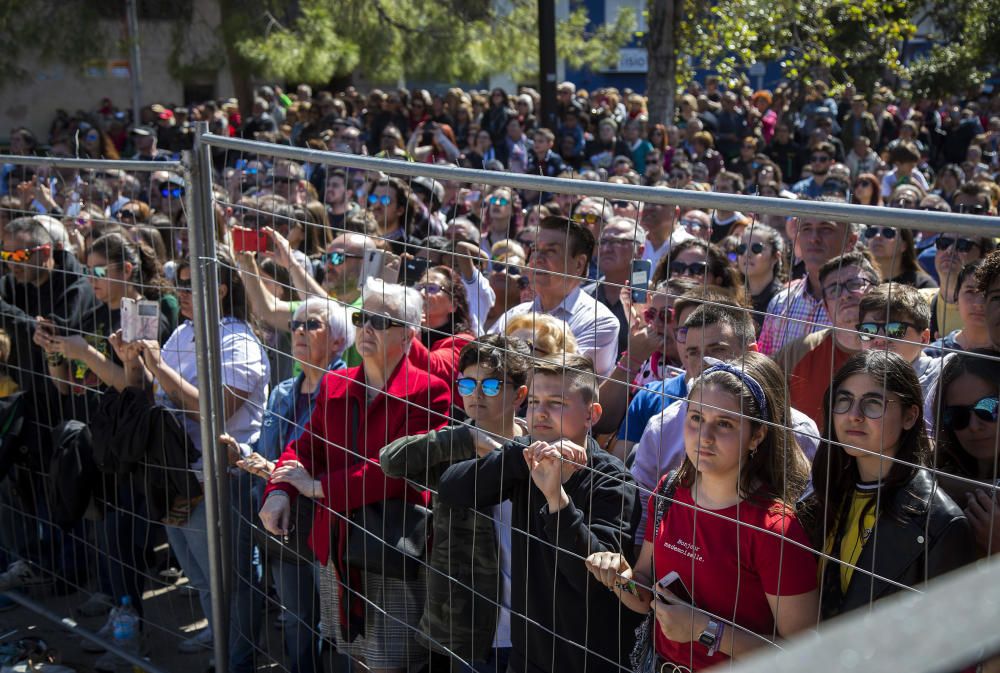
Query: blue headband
<point x="755" y="388"/>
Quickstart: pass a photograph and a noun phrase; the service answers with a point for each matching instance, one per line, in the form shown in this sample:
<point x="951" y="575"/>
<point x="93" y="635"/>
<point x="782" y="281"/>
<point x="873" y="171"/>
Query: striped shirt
<point x="791" y="314"/>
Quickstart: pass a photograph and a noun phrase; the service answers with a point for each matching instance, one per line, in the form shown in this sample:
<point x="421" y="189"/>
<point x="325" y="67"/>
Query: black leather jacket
<point x="918" y="536"/>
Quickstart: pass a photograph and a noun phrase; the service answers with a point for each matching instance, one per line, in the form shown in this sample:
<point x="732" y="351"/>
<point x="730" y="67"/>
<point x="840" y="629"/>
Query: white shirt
<point x="480" y="297"/>
<point x="662" y="446"/>
<point x="244" y="368"/>
<point x="654" y="255"/>
<point x="591" y="322"/>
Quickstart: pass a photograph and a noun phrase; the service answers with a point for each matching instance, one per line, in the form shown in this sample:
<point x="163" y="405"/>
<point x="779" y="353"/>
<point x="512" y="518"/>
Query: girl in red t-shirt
<point x="729" y="533"/>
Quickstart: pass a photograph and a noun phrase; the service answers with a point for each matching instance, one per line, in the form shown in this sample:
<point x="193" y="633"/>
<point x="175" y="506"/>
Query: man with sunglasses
<point x="810" y="361"/>
<point x="41" y="280"/>
<point x="820" y="160"/>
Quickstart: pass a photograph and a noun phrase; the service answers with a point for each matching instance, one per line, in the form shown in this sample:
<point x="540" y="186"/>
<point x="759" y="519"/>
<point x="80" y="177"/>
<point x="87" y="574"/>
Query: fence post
<point x="205" y="286"/>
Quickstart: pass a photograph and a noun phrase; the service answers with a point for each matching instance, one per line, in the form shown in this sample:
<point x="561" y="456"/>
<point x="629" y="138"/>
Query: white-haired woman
<point x="320" y="335"/>
<point x="335" y="461"/>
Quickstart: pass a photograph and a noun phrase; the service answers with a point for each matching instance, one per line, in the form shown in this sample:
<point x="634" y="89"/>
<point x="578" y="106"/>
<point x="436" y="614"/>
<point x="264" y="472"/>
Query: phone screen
<point x="639" y="280"/>
<point x="673" y="583"/>
<point x="251" y="240"/>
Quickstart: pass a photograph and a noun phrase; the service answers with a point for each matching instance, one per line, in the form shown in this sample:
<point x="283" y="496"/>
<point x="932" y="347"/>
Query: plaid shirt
<point x="791" y="314"/>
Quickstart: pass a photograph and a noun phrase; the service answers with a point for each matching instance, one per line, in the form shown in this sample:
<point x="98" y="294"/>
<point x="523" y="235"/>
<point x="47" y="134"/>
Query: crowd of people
<point x="476" y="428"/>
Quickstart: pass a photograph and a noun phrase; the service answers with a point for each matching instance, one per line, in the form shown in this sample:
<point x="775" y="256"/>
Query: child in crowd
<point x="569" y="499"/>
<point x="724" y="526"/>
<point x="467" y="612"/>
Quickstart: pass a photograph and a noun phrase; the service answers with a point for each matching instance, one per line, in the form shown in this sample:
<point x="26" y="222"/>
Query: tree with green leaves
<point x="442" y="40"/>
<point x="968" y="47"/>
<point x="839" y="41"/>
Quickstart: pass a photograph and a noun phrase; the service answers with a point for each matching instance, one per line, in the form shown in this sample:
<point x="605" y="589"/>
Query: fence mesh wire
<point x="347" y="296"/>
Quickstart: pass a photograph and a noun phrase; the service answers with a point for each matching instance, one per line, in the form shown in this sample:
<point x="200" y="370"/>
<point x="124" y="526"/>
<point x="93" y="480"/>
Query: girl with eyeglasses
<point x="866" y="190"/>
<point x="896" y="253"/>
<point x="876" y="511"/>
<point x="967" y="405"/>
<point x="760" y="255"/>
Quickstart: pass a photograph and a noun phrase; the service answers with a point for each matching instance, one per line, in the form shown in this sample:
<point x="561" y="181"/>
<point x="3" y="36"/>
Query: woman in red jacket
<point x="335" y="462"/>
<point x="446" y="322"/>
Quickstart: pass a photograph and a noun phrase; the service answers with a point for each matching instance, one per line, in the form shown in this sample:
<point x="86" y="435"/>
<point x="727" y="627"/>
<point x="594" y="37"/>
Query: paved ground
<point x="172" y="614"/>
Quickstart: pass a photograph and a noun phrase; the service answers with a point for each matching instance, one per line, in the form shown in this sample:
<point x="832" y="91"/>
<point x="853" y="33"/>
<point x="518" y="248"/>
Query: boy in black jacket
<point x="569" y="498"/>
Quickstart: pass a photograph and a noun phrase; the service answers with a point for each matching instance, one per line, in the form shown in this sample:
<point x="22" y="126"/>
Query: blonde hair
<point x="507" y="246"/>
<point x="552" y="336"/>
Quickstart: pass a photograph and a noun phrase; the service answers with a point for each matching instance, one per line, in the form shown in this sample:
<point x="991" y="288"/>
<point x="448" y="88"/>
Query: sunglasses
<point x="895" y="329"/>
<point x="819" y="157"/>
<point x="176" y="192"/>
<point x="756" y="248"/>
<point x="128" y="215"/>
<point x="499" y="201"/>
<point x="283" y="179"/>
<point x="385" y="199"/>
<point x="691" y="225"/>
<point x="888" y="233"/>
<point x="377" y="322"/>
<point x="852" y="286"/>
<point x="21" y="255"/>
<point x="430" y="288"/>
<point x="933" y="209"/>
<point x="310" y="325"/>
<point x="586" y="218"/>
<point x="467" y="386"/>
<point x="871" y="407"/>
<point x="250" y="171"/>
<point x="509" y="269"/>
<point x="337" y="258"/>
<point x="971" y="208"/>
<point x="182" y="285"/>
<point x="678" y="176"/>
<point x="98" y="271"/>
<point x="695" y="269"/>
<point x="959" y="417"/>
<point x="864" y="183"/>
<point x="621" y="204"/>
<point x="961" y="244"/>
<point x="654" y="315"/>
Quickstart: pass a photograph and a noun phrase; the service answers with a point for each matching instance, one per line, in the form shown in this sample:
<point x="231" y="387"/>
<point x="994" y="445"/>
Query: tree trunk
<point x="661" y="46"/>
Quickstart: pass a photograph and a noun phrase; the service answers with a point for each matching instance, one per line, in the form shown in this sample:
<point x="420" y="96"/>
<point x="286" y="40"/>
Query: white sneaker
<point x="98" y="605"/>
<point x="107" y="632"/>
<point x="199" y="643"/>
<point x="20" y="575"/>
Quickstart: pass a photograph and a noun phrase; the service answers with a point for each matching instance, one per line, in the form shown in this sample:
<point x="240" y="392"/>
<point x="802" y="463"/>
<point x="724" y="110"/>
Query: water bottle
<point x="126" y="626"/>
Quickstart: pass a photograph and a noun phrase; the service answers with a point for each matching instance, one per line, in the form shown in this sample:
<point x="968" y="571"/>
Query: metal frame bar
<point x="205" y="287"/>
<point x="976" y="225"/>
<point x="95" y="164"/>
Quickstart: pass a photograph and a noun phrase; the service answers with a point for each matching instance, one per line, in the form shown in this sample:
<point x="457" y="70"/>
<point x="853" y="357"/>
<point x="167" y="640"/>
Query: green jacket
<point x="463" y="580"/>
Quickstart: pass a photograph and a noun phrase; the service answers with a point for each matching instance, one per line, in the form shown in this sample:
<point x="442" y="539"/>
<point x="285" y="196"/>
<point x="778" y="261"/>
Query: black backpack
<point x="74" y="478"/>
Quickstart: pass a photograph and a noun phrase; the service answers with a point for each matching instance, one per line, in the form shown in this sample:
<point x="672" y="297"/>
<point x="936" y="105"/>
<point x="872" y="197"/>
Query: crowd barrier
<point x="238" y="584"/>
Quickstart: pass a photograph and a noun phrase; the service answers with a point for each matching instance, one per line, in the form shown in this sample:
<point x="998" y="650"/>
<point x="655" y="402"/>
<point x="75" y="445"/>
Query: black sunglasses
<point x="509" y="269"/>
<point x="182" y="285"/>
<point x="888" y="233"/>
<point x="377" y="322"/>
<point x="959" y="417"/>
<point x="756" y="248"/>
<point x="696" y="269"/>
<point x="961" y="244"/>
<point x="971" y="208"/>
<point x="311" y="325"/>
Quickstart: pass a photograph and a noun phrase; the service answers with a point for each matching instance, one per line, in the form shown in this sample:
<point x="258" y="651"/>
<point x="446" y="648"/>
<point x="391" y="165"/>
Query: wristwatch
<point x="710" y="636"/>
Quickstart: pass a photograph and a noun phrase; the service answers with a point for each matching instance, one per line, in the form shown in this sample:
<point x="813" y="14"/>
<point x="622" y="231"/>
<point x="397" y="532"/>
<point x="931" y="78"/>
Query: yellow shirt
<point x="856" y="533"/>
<point x="947" y="315"/>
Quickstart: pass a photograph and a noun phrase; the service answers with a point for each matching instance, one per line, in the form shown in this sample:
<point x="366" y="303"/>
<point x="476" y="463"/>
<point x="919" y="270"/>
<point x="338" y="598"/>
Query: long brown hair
<point x="777" y="471"/>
